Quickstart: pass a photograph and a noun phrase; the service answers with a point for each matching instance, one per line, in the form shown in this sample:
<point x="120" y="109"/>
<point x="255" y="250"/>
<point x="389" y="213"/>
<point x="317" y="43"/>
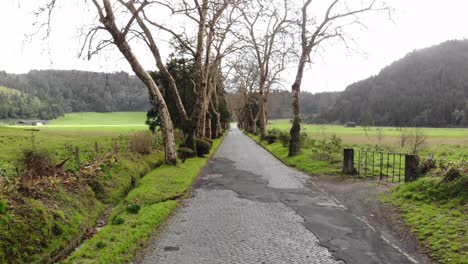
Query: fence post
<point x="348" y="161"/>
<point x="411" y="167"/>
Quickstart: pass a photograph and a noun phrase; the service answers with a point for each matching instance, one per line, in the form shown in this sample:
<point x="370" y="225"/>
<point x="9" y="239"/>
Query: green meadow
<point x="339" y="130"/>
<point x="450" y="143"/>
<point x="75" y="130"/>
<point x="90" y="119"/>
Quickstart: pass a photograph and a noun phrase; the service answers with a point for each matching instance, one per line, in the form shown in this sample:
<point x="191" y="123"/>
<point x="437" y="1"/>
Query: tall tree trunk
<point x="252" y="121"/>
<point x="166" y="122"/>
<point x="295" y="132"/>
<point x="262" y="125"/>
<point x="201" y="129"/>
<point x="120" y="41"/>
<point x="217" y="127"/>
<point x="198" y="114"/>
<point x="208" y="125"/>
<point x="159" y="63"/>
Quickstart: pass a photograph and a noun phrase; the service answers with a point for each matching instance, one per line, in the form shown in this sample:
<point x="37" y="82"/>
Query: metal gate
<point x="387" y="166"/>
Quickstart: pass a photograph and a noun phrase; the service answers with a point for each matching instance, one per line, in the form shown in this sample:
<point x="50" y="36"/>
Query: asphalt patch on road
<point x="348" y="238"/>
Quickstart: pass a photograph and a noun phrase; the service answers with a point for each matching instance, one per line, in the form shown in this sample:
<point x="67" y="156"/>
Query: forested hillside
<point x="279" y="104"/>
<point x="14" y="104"/>
<point x="428" y="87"/>
<point x="50" y="93"/>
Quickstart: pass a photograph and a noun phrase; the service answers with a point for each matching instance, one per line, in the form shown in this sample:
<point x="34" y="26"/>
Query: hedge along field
<point x="450" y="143"/>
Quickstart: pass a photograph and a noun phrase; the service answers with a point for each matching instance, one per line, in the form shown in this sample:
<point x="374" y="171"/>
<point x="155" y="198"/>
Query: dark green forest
<point x="427" y="87"/>
<point x="47" y="94"/>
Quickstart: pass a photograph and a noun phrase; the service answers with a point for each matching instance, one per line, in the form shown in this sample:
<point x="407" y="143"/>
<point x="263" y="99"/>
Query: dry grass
<point x="141" y="143"/>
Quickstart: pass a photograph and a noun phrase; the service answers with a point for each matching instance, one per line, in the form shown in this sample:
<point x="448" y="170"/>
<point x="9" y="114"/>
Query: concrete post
<point x="348" y="161"/>
<point x="411" y="168"/>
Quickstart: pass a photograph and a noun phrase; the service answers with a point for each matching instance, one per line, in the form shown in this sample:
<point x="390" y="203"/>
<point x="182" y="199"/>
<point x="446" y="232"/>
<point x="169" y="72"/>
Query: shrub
<point x="284" y="137"/>
<point x="304" y="140"/>
<point x="185" y="153"/>
<point x="203" y="146"/>
<point x="426" y="166"/>
<point x="274" y="131"/>
<point x="100" y="245"/>
<point x="208" y="140"/>
<point x="7" y="170"/>
<point x="327" y="149"/>
<point x="117" y="220"/>
<point x="37" y="163"/>
<point x="270" y="139"/>
<point x="140" y="143"/>
<point x="451" y="175"/>
<point x="133" y="208"/>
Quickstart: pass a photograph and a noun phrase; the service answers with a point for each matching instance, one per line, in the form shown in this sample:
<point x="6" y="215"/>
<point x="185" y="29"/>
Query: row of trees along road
<point x="239" y="44"/>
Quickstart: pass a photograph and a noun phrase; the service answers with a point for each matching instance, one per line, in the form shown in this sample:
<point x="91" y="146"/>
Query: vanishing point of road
<point x="248" y="207"/>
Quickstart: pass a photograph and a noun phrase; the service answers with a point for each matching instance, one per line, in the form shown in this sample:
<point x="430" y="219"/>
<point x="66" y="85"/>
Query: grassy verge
<point x="145" y="208"/>
<point x="437" y="213"/>
<point x="35" y="228"/>
<point x="304" y="161"/>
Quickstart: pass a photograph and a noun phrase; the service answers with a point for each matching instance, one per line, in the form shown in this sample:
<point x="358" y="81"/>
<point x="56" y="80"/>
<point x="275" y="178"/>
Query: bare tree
<point x="212" y="20"/>
<point x="404" y="137"/>
<point x="120" y="38"/>
<point x="128" y="20"/>
<point x="315" y="30"/>
<point x="205" y="14"/>
<point x="380" y="135"/>
<point x="243" y="79"/>
<point x="268" y="38"/>
<point x="416" y="140"/>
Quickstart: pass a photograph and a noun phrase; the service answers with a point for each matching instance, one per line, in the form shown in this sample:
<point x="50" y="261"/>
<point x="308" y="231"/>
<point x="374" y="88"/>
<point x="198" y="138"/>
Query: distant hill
<point x="279" y="104"/>
<point x="428" y="87"/>
<point x="60" y="92"/>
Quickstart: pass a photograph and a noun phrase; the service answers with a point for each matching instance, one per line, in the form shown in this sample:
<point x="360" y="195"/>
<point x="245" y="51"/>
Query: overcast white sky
<point x="416" y="24"/>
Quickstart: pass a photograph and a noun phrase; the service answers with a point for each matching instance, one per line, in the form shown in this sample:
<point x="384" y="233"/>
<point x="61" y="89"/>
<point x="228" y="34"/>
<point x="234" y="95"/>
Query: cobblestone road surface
<point x="250" y="208"/>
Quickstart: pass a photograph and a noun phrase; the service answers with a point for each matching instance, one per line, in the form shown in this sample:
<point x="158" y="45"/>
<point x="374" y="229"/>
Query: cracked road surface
<point x="248" y="207"/>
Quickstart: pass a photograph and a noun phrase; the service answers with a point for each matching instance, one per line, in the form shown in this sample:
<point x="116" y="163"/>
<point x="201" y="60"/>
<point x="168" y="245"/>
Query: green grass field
<point x="117" y="119"/>
<point x="80" y="130"/>
<point x="451" y="143"/>
<point x="451" y="133"/>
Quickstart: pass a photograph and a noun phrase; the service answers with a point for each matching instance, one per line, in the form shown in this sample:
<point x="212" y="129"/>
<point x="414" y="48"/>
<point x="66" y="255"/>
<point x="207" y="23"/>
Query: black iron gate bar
<point x="387" y="164"/>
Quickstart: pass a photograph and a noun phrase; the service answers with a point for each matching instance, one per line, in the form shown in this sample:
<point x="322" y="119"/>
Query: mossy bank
<point x="42" y="226"/>
<point x="143" y="210"/>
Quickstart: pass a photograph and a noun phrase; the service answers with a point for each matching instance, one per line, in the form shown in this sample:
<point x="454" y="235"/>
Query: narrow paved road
<point x="250" y="208"/>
